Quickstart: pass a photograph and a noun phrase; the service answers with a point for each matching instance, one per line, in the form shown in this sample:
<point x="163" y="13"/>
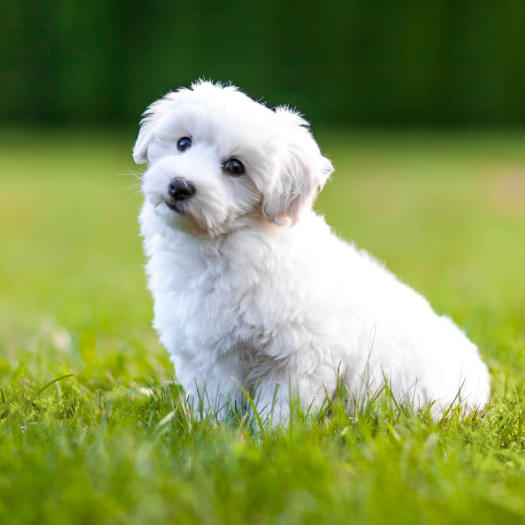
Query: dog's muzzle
<point x="179" y="190"/>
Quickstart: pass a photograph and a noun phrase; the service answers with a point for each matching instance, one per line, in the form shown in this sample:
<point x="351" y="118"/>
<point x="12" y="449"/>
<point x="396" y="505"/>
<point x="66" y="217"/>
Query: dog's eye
<point x="184" y="143"/>
<point x="234" y="167"/>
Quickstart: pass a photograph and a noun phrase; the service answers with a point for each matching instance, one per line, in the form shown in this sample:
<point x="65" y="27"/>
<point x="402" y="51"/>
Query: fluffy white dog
<point x="252" y="289"/>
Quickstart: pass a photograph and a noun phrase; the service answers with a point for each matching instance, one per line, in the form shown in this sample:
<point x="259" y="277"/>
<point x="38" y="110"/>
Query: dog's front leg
<point x="214" y="391"/>
<point x="294" y="383"/>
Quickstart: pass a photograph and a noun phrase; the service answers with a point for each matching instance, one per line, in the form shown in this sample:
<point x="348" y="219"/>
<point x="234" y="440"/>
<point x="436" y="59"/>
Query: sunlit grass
<point x="115" y="442"/>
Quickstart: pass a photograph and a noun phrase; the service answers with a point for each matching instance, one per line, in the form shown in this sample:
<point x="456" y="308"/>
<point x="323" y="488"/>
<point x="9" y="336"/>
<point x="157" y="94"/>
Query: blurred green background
<point x="439" y="62"/>
<point x="420" y="105"/>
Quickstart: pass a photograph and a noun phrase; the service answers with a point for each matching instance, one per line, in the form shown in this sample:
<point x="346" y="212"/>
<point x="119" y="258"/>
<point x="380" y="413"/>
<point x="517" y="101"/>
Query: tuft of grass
<point x="95" y="429"/>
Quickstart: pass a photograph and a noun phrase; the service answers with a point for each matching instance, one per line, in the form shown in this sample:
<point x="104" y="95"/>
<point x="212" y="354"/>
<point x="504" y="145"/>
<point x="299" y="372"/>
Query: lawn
<point x="111" y="440"/>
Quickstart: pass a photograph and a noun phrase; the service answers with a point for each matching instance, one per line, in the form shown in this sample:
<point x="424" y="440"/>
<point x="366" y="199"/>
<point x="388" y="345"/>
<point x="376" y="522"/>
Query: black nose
<point x="180" y="189"/>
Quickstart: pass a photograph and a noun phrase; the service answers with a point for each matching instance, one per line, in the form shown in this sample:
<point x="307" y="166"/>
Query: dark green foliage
<point x="381" y="62"/>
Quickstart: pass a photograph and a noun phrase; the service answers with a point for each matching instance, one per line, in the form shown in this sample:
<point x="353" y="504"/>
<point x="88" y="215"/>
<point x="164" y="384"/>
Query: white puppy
<point x="251" y="287"/>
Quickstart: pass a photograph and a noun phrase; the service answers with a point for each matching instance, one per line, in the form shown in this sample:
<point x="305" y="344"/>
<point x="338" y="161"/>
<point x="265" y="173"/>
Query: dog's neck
<point x="251" y="233"/>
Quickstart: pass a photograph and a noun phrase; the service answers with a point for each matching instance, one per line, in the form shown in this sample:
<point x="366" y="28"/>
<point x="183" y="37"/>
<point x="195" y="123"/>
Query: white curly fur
<point x="252" y="289"/>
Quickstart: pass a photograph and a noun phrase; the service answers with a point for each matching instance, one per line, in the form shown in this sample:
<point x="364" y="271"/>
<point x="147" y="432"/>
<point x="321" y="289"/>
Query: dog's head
<point x="217" y="160"/>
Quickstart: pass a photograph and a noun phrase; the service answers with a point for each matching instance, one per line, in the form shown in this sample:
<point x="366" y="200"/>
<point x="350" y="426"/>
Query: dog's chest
<point x="204" y="300"/>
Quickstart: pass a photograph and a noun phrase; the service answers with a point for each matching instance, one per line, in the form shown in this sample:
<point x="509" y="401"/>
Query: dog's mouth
<point x="175" y="206"/>
<point x="189" y="224"/>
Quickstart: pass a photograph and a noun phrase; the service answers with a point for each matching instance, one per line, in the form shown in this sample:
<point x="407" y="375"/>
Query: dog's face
<point x="218" y="160"/>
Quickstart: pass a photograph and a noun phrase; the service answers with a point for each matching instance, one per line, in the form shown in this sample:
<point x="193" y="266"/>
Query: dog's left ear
<point x="300" y="171"/>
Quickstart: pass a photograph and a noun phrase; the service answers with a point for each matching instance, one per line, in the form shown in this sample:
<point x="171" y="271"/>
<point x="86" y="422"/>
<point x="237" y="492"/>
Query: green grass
<point x="114" y="442"/>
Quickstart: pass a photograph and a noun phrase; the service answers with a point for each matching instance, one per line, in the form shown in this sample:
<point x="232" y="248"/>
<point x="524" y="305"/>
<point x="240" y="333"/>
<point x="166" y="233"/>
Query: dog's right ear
<point x="146" y="129"/>
<point x="148" y="124"/>
<point x="144" y="138"/>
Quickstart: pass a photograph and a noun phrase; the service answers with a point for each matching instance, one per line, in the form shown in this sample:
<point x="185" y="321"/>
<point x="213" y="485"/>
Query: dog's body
<point x="251" y="287"/>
